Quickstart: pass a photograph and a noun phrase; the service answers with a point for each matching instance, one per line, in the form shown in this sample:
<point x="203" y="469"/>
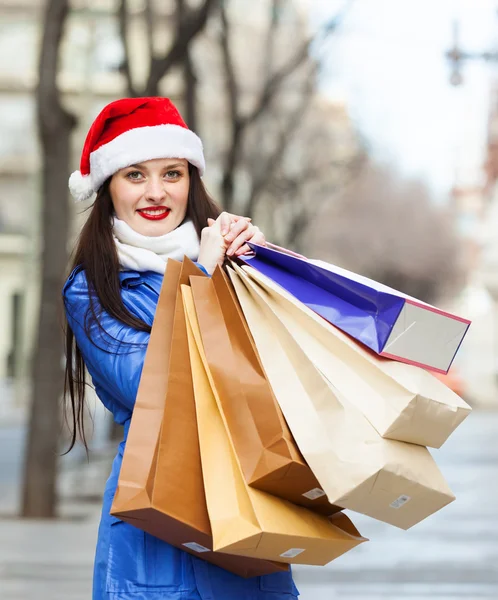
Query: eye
<point x="134" y="175"/>
<point x="173" y="174"/>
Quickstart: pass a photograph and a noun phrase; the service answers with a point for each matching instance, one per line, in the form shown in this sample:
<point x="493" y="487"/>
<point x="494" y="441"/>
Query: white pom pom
<point x="80" y="186"/>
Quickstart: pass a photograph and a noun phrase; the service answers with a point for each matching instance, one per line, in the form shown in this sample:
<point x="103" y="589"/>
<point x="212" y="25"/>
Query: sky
<point x="388" y="63"/>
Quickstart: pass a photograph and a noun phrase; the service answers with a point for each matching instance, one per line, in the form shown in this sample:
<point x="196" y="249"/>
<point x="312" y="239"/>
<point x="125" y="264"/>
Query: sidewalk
<point x="451" y="556"/>
<point x="53" y="560"/>
<point x="47" y="560"/>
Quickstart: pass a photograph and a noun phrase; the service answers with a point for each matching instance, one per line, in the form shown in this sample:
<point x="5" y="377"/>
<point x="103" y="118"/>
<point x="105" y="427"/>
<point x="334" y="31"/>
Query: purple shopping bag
<point x="388" y="322"/>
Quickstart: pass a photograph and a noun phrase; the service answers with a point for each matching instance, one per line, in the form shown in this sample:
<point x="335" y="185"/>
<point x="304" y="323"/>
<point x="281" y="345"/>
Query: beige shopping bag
<point x="245" y="521"/>
<point x="265" y="448"/>
<point x="389" y="480"/>
<point x="160" y="488"/>
<point x="403" y="402"/>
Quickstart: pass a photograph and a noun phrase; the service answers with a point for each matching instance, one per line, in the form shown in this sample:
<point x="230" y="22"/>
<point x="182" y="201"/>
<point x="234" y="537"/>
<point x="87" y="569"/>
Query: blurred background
<point x="360" y="132"/>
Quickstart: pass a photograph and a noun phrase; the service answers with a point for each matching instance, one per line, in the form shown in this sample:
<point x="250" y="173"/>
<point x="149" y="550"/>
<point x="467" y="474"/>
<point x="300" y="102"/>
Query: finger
<point x="211" y="222"/>
<point x="258" y="238"/>
<point x="236" y="228"/>
<point x="234" y="220"/>
<point x="243" y="250"/>
<point x="225" y="216"/>
<point x="224" y="219"/>
<point x="240" y="240"/>
<point x="238" y="217"/>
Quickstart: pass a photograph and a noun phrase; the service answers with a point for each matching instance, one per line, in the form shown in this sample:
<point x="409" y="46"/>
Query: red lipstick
<point x="154" y="213"/>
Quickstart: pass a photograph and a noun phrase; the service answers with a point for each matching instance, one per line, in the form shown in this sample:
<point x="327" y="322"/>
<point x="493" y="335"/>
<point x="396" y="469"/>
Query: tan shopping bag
<point x="403" y="402"/>
<point x="267" y="453"/>
<point x="160" y="487"/>
<point x="391" y="481"/>
<point x="245" y="521"/>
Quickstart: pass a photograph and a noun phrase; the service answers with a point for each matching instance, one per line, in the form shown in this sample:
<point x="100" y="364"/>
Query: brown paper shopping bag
<point x="403" y="402"/>
<point x="246" y="521"/>
<point x="267" y="453"/>
<point x="160" y="488"/>
<point x="391" y="481"/>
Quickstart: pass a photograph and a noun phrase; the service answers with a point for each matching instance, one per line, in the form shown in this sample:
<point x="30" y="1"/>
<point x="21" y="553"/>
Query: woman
<point x="151" y="205"/>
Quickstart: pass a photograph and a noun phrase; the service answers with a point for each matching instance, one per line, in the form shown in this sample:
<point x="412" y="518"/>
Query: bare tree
<point x="189" y="23"/>
<point x="189" y="73"/>
<point x="317" y="157"/>
<point x="55" y="125"/>
<point x="389" y="229"/>
<point x="270" y="113"/>
<point x="261" y="132"/>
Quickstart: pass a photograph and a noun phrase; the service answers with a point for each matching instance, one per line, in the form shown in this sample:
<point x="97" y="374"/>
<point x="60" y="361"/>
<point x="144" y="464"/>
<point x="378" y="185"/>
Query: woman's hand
<point x="227" y="236"/>
<point x="243" y="231"/>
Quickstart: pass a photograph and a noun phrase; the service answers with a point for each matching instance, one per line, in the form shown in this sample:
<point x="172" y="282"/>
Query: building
<point x="475" y="204"/>
<point x="91" y="76"/>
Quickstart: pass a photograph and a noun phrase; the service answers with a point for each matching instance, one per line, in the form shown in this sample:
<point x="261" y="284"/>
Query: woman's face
<point x="151" y="196"/>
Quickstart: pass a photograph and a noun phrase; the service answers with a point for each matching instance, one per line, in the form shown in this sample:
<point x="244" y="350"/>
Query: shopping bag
<point x="401" y="401"/>
<point x="160" y="488"/>
<point x="392" y="481"/>
<point x="246" y="521"/>
<point x="267" y="453"/>
<point x="389" y="322"/>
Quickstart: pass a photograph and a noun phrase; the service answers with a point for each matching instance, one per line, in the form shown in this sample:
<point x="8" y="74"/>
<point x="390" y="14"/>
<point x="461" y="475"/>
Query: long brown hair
<point x="96" y="253"/>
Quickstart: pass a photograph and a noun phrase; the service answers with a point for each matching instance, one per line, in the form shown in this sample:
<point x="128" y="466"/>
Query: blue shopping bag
<point x="388" y="322"/>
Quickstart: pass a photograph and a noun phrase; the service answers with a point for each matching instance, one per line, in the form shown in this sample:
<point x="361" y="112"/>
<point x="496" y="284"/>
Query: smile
<point x="154" y="213"/>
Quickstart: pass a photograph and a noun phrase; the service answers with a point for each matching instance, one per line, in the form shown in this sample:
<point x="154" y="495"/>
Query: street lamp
<point x="456" y="56"/>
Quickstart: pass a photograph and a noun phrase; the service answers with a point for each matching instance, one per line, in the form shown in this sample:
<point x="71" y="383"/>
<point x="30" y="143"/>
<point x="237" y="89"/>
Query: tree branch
<point x="192" y="24"/>
<point x="233" y="154"/>
<point x="149" y="22"/>
<point x="270" y="39"/>
<point x="271" y="85"/>
<point x="274" y="83"/>
<point x="231" y="83"/>
<point x="123" y="31"/>
<point x="188" y="72"/>
<point x="47" y="93"/>
<point x="299" y="224"/>
<point x="190" y="78"/>
<point x="272" y="163"/>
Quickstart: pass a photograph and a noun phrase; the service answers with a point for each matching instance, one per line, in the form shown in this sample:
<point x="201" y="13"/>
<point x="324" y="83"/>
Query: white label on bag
<point x="292" y="552"/>
<point x="399" y="502"/>
<point x="314" y="494"/>
<point x="196" y="547"/>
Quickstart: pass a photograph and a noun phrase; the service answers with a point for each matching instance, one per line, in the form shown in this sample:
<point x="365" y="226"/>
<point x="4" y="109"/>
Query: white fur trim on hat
<point x="137" y="145"/>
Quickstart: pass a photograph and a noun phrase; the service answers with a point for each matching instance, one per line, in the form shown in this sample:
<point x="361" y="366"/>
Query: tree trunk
<point x="191" y="25"/>
<point x="55" y="127"/>
<point x="231" y="162"/>
<point x="190" y="92"/>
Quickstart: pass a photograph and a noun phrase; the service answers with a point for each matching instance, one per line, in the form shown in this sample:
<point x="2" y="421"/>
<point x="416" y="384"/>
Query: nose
<point x="155" y="191"/>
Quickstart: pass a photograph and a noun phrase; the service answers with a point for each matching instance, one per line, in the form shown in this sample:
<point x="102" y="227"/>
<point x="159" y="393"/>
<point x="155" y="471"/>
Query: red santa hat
<point x="129" y="131"/>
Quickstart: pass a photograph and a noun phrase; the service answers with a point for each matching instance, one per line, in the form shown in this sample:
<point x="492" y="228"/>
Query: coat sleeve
<point x="114" y="353"/>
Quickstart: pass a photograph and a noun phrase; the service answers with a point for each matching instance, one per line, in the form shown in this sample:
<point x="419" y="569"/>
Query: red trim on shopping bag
<point x="437" y="311"/>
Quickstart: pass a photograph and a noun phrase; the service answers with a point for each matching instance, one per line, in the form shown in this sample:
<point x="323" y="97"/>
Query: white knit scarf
<point x="139" y="252"/>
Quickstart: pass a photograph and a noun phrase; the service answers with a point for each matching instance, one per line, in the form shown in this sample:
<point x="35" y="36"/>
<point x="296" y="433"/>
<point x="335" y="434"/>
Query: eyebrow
<point x="141" y="166"/>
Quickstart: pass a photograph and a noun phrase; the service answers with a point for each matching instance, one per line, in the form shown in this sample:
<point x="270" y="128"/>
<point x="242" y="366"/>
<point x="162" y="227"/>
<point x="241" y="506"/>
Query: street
<point x="450" y="556"/>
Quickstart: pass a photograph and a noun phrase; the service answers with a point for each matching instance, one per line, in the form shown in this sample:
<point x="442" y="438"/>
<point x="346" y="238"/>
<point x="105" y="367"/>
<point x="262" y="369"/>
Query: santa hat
<point x="129" y="131"/>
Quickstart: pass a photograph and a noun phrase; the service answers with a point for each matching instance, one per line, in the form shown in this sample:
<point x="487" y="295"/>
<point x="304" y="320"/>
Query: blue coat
<point x="131" y="564"/>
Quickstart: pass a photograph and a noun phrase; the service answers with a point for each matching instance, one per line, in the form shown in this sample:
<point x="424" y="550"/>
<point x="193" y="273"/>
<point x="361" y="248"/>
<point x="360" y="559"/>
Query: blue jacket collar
<point x="130" y="279"/>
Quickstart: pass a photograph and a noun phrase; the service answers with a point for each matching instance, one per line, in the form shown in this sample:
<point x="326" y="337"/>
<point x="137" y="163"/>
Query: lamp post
<point x="456" y="56"/>
<point x="488" y="262"/>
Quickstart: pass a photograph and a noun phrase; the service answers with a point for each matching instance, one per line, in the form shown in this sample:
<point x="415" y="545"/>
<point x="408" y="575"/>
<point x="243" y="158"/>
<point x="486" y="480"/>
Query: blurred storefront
<point x="19" y="36"/>
<point x="91" y="76"/>
<point x="476" y="209"/>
